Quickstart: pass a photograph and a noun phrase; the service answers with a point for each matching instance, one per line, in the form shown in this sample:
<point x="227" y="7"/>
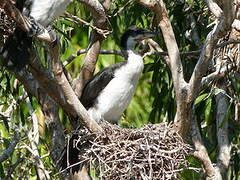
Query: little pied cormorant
<point x="16" y="49"/>
<point x="110" y="91"/>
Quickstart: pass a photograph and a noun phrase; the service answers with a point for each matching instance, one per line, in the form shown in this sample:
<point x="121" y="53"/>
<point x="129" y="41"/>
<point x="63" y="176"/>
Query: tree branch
<point x="224" y="147"/>
<point x="206" y="55"/>
<point x="214" y="8"/>
<point x="23" y="22"/>
<point x="218" y="74"/>
<point x="200" y="149"/>
<point x="100" y="21"/>
<point x="68" y="92"/>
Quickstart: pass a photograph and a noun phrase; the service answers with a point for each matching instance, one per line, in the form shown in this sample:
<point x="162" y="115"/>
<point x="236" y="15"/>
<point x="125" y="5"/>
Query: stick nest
<point x="152" y="152"/>
<point x="7" y="26"/>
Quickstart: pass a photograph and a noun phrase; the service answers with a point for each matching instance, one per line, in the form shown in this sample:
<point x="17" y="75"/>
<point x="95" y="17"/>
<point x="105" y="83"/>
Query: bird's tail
<point x="16" y="51"/>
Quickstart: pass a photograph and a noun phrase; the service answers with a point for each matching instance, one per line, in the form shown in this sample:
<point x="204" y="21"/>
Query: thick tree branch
<point x="100" y="21"/>
<point x="173" y="52"/>
<point x="180" y="86"/>
<point x="200" y="149"/>
<point x="220" y="29"/>
<point x="224" y="147"/>
<point x="68" y="92"/>
<point x="214" y="8"/>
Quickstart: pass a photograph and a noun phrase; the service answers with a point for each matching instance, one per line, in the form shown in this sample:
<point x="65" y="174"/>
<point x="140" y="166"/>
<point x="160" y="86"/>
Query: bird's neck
<point x="133" y="57"/>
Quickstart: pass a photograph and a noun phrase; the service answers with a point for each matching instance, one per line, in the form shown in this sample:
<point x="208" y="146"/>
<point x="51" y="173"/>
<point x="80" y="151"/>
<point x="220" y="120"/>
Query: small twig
<point x="217" y="74"/>
<point x="8" y="152"/>
<point x="77" y="20"/>
<point x="156" y="52"/>
<point x="123" y="8"/>
<point x="75" y="164"/>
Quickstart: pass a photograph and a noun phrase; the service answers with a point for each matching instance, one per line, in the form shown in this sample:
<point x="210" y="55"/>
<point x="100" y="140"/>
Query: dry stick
<point x="68" y="92"/>
<point x="78" y="20"/>
<point x="100" y="21"/>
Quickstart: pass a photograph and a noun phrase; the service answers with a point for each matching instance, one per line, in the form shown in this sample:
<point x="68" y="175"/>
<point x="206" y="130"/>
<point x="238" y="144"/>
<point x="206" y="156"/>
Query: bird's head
<point x="135" y="35"/>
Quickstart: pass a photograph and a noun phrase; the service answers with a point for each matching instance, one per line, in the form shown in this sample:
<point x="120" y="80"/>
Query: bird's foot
<point x="53" y="36"/>
<point x="37" y="30"/>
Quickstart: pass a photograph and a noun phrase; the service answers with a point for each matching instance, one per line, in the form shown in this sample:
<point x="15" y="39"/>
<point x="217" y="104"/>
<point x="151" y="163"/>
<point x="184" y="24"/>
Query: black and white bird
<point x="110" y="91"/>
<point x="44" y="12"/>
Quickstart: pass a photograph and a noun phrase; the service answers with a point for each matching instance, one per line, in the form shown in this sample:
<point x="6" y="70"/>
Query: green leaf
<point x="201" y="98"/>
<point x="208" y="109"/>
<point x="2" y="174"/>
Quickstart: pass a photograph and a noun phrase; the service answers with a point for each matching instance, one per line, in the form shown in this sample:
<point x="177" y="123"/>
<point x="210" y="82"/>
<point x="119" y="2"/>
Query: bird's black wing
<point x="16" y="50"/>
<point x="95" y="85"/>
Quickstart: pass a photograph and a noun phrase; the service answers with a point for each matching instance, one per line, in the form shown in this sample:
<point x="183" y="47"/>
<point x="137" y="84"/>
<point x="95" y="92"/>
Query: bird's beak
<point x="147" y="34"/>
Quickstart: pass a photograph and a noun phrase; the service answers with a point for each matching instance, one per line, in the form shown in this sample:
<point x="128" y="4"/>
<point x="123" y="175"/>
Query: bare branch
<point x="83" y="51"/>
<point x="78" y="20"/>
<point x="68" y="92"/>
<point x="200" y="150"/>
<point x="223" y="25"/>
<point x="222" y="131"/>
<point x="100" y="21"/>
<point x="156" y="52"/>
<point x="237" y="111"/>
<point x="206" y="55"/>
<point x="214" y="8"/>
<point x="217" y="75"/>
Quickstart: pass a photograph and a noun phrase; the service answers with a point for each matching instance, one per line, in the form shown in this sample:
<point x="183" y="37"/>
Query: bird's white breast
<point x="116" y="96"/>
<point x="46" y="11"/>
